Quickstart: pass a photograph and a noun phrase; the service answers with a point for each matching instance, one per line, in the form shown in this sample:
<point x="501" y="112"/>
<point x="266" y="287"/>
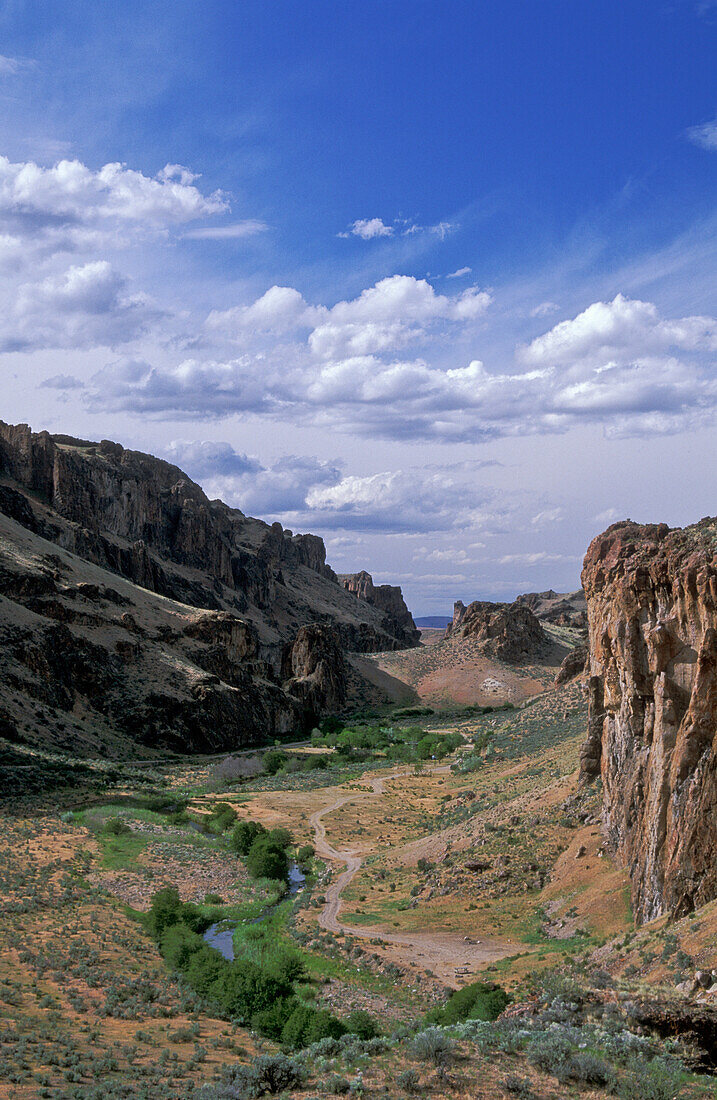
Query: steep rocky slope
<point x="560" y="608"/>
<point x="506" y="632"/>
<point x="135" y="610"/>
<point x="387" y="598"/>
<point x="652" y="606"/>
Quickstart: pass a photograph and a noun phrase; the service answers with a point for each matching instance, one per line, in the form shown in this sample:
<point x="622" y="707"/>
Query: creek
<point x="221" y="935"/>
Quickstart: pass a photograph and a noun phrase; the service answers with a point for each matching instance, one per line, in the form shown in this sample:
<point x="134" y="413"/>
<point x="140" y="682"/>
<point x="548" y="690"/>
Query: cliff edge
<point x="652" y="728"/>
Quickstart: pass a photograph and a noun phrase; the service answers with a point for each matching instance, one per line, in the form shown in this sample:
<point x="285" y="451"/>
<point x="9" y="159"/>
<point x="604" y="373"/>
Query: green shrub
<point x="274" y="761"/>
<point x="221" y="818"/>
<point x="271" y="1021"/>
<point x="308" y="1025"/>
<point x="244" y="834"/>
<point x="362" y="1024"/>
<point x="478" y="1001"/>
<point x="267" y="860"/>
<point x="282" y="838"/>
<point x="242" y="988"/>
<point x="304" y="856"/>
<point x="178" y="943"/>
<point x="167" y="909"/>
<point x="115" y="826"/>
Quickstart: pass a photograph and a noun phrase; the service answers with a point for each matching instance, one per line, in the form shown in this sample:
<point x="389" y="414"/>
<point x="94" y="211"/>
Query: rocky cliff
<point x="388" y="599"/>
<point x="652" y="609"/>
<point x="559" y="608"/>
<point x="506" y="632"/>
<point x="135" y="610"/>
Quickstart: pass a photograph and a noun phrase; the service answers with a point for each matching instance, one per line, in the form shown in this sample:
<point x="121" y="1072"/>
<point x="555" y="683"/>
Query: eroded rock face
<point x="388" y="599"/>
<point x="573" y="664"/>
<point x="136" y="611"/>
<point x="560" y="608"/>
<point x="652" y="608"/>
<point x="507" y="632"/>
<point x="316" y="670"/>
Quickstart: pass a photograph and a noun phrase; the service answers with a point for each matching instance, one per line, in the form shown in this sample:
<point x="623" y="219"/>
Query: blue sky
<point x="436" y="280"/>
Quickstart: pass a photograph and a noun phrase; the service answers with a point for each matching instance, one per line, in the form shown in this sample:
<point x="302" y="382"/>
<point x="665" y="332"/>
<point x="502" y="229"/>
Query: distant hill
<point x="433" y="622"/>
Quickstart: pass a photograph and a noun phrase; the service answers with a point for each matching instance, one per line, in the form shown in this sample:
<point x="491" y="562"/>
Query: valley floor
<point x="486" y="865"/>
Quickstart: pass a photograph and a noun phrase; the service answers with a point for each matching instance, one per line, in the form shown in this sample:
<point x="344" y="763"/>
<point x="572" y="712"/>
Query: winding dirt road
<point x="445" y="954"/>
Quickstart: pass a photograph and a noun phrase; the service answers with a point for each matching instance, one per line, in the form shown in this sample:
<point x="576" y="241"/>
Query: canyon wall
<point x="652" y="727"/>
<point x="136" y="611"/>
<point x="388" y="599"/>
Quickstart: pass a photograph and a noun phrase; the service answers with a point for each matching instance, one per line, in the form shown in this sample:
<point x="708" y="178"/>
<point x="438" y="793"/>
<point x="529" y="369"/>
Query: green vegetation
<point x="404" y="744"/>
<point x="259" y="987"/>
<point x="478" y="1001"/>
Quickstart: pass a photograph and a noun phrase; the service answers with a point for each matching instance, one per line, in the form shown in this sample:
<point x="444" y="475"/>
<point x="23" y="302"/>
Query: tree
<point x="274" y="760"/>
<point x="267" y="860"/>
<point x="165" y="910"/>
<point x="244" y="834"/>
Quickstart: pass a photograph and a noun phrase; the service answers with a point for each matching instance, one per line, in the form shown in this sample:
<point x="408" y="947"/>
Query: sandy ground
<point x="454" y="959"/>
<point x="441" y="672"/>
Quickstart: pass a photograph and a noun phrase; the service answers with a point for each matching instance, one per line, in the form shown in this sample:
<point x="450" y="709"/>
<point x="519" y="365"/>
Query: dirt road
<point x="445" y="954"/>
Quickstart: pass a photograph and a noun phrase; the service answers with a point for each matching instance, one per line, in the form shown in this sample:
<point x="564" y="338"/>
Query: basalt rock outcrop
<point x="573" y="665"/>
<point x="506" y="632"/>
<point x="136" y="611"/>
<point x="652" y="608"/>
<point x="559" y="608"/>
<point x="388" y="599"/>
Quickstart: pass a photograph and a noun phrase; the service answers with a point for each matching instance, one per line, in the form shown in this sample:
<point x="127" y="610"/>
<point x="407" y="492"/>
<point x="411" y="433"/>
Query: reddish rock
<point x="652" y="725"/>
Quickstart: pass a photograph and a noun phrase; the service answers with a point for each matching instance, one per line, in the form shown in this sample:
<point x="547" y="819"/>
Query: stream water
<point x="221" y="935"/>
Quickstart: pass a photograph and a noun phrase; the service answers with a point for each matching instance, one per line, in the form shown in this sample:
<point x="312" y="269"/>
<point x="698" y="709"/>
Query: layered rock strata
<point x="652" y="728"/>
<point x="388" y="599"/>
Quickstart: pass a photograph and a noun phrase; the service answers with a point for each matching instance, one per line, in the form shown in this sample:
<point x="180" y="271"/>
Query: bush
<point x="478" y="1001"/>
<point x="244" y="834"/>
<point x="276" y="1072"/>
<point x="115" y="826"/>
<point x="274" y="760"/>
<point x="550" y="1051"/>
<point x="586" y="1069"/>
<point x="269" y="1073"/>
<point x="309" y="1025"/>
<point x="267" y="860"/>
<point x="408" y="1080"/>
<point x="660" y="1079"/>
<point x="362" y="1024"/>
<point x="518" y="1086"/>
<point x="433" y="1045"/>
